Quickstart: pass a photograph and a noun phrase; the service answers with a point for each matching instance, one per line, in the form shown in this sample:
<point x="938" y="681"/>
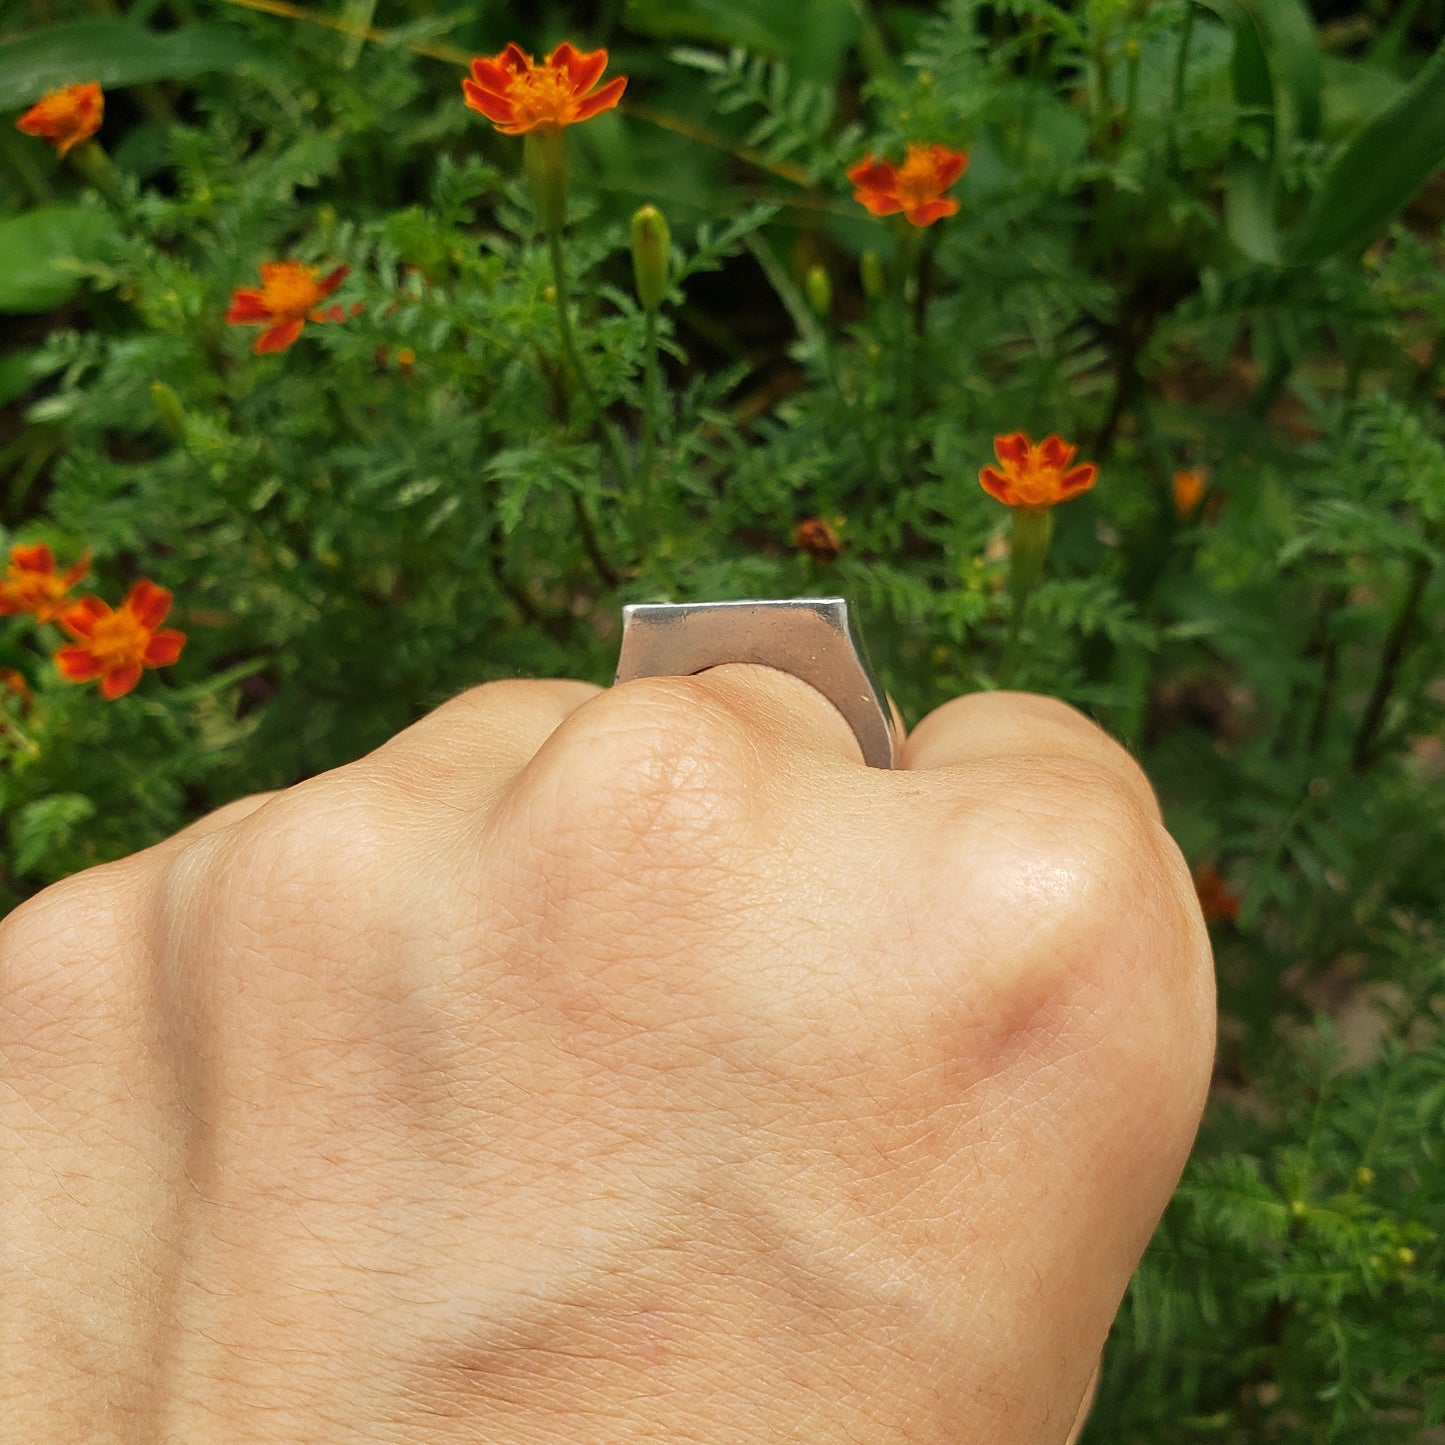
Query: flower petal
<point x="931" y="211"/>
<point x="605" y="99"/>
<point x="36" y="557"/>
<point x="1012" y="450"/>
<point x="148" y="604"/>
<point x="279" y="337"/>
<point x="76" y="572"/>
<point x="331" y="280"/>
<point x="1055" y="453"/>
<point x="584" y="68"/>
<point x="1077" y="480"/>
<point x="247" y="307"/>
<point x="496" y="109"/>
<point x="996" y="485"/>
<point x="873" y="174"/>
<point x="163" y="648"/>
<point x="948" y="165"/>
<point x="80" y="618"/>
<point x="77" y="664"/>
<point x="118" y="683"/>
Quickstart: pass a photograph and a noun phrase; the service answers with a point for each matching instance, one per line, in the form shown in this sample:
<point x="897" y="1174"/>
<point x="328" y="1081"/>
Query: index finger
<point x="1022" y="725"/>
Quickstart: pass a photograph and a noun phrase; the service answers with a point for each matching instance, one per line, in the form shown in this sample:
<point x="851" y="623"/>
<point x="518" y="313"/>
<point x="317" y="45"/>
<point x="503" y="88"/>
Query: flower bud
<point x="651" y="256"/>
<point x="168" y="407"/>
<point x="819" y="288"/>
<point x="870" y="272"/>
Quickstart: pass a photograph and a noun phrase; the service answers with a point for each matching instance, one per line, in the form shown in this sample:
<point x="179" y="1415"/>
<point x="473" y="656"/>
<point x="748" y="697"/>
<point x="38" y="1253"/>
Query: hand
<point x="605" y="1066"/>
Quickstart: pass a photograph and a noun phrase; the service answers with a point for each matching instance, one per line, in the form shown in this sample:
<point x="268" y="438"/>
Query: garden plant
<point x="361" y="352"/>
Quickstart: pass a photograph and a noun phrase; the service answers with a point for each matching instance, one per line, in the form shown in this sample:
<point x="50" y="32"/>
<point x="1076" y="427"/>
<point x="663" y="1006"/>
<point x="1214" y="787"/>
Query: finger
<point x="1020" y="726"/>
<point x="478" y="741"/>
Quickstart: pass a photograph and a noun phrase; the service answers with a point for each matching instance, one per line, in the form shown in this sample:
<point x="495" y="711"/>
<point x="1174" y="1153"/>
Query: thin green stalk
<point x="872" y="45"/>
<point x="572" y="361"/>
<point x="1181" y="66"/>
<point x="651" y="382"/>
<point x="1391" y="655"/>
<point x="1009" y="662"/>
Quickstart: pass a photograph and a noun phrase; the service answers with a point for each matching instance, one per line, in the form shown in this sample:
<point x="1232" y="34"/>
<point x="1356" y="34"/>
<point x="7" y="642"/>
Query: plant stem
<point x="1181" y="65"/>
<point x="572" y="363"/>
<point x="1362" y="754"/>
<point x="650" y="386"/>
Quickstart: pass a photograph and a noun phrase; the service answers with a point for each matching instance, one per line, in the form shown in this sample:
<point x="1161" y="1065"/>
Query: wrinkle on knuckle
<point x="648" y="770"/>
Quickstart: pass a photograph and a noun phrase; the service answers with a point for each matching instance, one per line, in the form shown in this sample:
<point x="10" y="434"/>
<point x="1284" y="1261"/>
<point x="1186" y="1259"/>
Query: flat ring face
<point x="810" y="637"/>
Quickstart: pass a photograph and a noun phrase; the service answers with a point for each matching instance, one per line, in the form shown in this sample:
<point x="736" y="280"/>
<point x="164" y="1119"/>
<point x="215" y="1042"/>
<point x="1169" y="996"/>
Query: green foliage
<point x="439" y="489"/>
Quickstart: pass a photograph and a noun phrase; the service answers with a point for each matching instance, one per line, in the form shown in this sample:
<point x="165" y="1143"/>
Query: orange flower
<point x="286" y="301"/>
<point x="1190" y="485"/>
<point x="818" y="538"/>
<point x="66" y="117"/>
<point x="517" y="95"/>
<point x="1217" y="901"/>
<point x="13" y="685"/>
<point x="114" y="645"/>
<point x="916" y="187"/>
<point x="1035" y="476"/>
<point x="31" y="583"/>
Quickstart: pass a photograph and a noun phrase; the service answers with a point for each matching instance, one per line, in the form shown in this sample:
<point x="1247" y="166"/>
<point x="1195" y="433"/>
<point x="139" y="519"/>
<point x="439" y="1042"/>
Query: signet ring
<point x="811" y="637"/>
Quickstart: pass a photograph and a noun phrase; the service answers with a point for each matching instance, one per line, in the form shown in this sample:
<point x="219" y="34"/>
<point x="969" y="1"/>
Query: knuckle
<point x="655" y="765"/>
<point x="61" y="950"/>
<point x="318" y="844"/>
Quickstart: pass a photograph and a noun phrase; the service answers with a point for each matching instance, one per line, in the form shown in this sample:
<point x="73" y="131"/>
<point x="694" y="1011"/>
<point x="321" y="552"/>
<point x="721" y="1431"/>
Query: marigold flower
<point x="66" y="117"/>
<point x="1190" y="485"/>
<point x="818" y="538"/>
<point x="517" y="95"/>
<point x="13" y="685"/>
<point x="1035" y="476"/>
<point x="286" y="301"/>
<point x="115" y="644"/>
<point x="32" y="584"/>
<point x="1217" y="901"/>
<point x="916" y="187"/>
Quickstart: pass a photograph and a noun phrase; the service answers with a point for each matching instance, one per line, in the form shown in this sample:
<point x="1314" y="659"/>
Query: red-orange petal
<point x="164" y="648"/>
<point x="931" y="211"/>
<point x="32" y="557"/>
<point x="80" y="617"/>
<point x="77" y="664"/>
<point x="584" y="68"/>
<point x="1078" y="479"/>
<point x="996" y="484"/>
<point x="329" y="282"/>
<point x="873" y="174"/>
<point x="1055" y="452"/>
<point x="76" y="572"/>
<point x="147" y="603"/>
<point x="1012" y="450"/>
<point x="278" y="337"/>
<point x="949" y="165"/>
<point x="605" y="99"/>
<point x="118" y="683"/>
<point x="247" y="307"/>
<point x="496" y="108"/>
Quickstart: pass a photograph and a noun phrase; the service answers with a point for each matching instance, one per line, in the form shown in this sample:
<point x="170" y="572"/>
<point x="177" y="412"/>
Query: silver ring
<point x="811" y="637"/>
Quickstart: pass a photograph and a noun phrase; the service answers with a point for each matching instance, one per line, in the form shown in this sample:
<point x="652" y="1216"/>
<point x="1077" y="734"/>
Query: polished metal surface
<point x="811" y="637"/>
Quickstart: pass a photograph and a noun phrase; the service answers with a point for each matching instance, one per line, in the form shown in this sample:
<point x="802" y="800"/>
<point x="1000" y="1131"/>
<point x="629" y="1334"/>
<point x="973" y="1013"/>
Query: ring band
<point x="811" y="637"/>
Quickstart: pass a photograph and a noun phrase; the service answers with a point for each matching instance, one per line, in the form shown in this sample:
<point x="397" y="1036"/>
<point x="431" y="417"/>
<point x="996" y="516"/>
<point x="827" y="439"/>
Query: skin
<point x="626" y="1065"/>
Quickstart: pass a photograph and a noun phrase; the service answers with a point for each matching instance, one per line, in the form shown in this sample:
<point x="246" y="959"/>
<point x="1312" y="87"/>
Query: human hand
<point x="605" y="1066"/>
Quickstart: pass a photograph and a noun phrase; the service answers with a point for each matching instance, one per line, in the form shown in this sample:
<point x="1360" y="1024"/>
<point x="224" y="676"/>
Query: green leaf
<point x="1277" y="75"/>
<point x="16" y="377"/>
<point x="813" y="38"/>
<point x="1377" y="174"/>
<point x="40" y="251"/>
<point x="116" y="53"/>
<point x="46" y="824"/>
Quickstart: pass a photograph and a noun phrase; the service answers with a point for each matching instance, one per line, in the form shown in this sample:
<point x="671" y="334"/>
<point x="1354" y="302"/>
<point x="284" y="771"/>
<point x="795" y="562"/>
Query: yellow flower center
<point x="1036" y="483"/>
<point x="291" y="290"/>
<point x="118" y="640"/>
<point x="918" y="180"/>
<point x="544" y="95"/>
